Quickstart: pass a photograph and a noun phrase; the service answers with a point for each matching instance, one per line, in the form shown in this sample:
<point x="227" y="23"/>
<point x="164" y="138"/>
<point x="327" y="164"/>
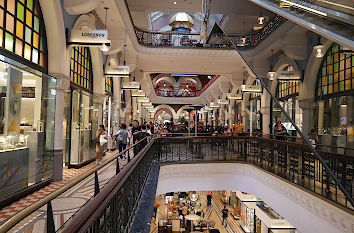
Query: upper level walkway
<point x="285" y="174"/>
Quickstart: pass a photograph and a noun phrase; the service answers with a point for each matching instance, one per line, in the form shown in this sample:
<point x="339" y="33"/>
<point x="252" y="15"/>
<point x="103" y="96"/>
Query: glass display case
<point x="27" y="112"/>
<point x="83" y="128"/>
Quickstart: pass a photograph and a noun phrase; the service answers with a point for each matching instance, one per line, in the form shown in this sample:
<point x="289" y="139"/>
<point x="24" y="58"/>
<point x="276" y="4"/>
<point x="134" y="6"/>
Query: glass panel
<point x="42" y="60"/>
<point x="35" y="56"/>
<point x="28" y="35"/>
<point x="2" y="3"/>
<point x="19" y="47"/>
<point x="341" y="86"/>
<point x="9" y="42"/>
<point x="30" y="4"/>
<point x="1" y="39"/>
<point x="19" y="29"/>
<point x="10" y="23"/>
<point x="35" y="40"/>
<point x="1" y="18"/>
<point x="20" y="11"/>
<point x="36" y="24"/>
<point x="11" y="6"/>
<point x="27" y="53"/>
<point x="29" y="18"/>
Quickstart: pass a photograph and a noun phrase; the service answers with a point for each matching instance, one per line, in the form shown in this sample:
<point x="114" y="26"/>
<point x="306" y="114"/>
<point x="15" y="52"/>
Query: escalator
<point x="331" y="19"/>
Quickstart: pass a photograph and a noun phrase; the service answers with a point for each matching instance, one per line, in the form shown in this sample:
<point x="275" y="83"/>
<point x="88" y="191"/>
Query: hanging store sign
<point x="138" y="93"/>
<point x="208" y="108"/>
<point x="89" y="36"/>
<point x="251" y="88"/>
<point x="143" y="100"/>
<point x="117" y="71"/>
<point x="289" y="75"/>
<point x="231" y="96"/>
<point x="213" y="105"/>
<point x="130" y="85"/>
<point x="222" y="102"/>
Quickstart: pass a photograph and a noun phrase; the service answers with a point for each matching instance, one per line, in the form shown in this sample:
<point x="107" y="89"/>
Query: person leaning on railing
<point x="280" y="131"/>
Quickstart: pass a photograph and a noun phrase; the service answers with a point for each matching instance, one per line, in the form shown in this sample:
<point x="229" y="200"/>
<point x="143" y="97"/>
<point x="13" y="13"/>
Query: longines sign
<point x="117" y="70"/>
<point x="289" y="75"/>
<point x="89" y="36"/>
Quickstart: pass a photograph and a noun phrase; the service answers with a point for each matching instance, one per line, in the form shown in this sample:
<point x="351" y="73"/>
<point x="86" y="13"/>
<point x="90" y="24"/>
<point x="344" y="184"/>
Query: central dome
<point x="181" y="22"/>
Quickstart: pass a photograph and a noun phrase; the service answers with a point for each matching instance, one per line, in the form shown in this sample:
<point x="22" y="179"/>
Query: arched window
<point x="109" y="85"/>
<point x="336" y="74"/>
<point x="287" y="89"/>
<point x="81" y="67"/>
<point x="22" y="30"/>
<point x="255" y="95"/>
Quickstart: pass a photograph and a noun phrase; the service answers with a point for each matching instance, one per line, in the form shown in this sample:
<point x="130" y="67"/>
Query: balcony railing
<point x="216" y="40"/>
<point x="185" y="93"/>
<point x="113" y="208"/>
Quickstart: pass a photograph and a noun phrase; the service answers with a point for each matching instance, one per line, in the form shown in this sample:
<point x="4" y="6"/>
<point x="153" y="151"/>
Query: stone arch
<point x="283" y="61"/>
<point x="179" y="112"/>
<point x="310" y="77"/>
<point x="58" y="58"/>
<point x="195" y="80"/>
<point x="88" y="22"/>
<point x="165" y="77"/>
<point x="164" y="106"/>
<point x="160" y="111"/>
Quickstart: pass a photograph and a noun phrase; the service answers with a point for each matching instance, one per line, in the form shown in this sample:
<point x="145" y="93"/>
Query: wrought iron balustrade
<point x="216" y="38"/>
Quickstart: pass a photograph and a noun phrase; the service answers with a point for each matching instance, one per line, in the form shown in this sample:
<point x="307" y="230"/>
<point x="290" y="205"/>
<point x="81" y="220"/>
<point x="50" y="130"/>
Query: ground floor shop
<point x="27" y="120"/>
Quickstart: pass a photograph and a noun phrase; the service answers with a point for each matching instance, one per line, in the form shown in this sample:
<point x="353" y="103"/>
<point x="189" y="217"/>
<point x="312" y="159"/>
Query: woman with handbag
<point x="101" y="140"/>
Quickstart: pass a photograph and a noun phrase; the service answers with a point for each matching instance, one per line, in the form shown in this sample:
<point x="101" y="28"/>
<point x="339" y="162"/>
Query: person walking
<point x="122" y="139"/>
<point x="209" y="197"/>
<point x="225" y="213"/>
<point x="101" y="132"/>
<point x="135" y="133"/>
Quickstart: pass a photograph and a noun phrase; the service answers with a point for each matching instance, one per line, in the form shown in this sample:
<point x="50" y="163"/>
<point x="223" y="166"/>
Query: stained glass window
<point x="255" y="95"/>
<point x="287" y="89"/>
<point x="22" y="30"/>
<point x="336" y="73"/>
<point x="109" y="85"/>
<point x="81" y="67"/>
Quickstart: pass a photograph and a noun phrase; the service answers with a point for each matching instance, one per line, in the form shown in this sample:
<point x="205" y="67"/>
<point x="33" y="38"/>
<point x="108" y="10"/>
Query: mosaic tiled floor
<point x="65" y="205"/>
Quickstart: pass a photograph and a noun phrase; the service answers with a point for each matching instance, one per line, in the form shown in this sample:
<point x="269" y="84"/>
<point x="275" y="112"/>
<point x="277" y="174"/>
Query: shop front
<point x="254" y="116"/>
<point x="81" y="111"/>
<point x="27" y="100"/>
<point x="332" y="115"/>
<point x="287" y="94"/>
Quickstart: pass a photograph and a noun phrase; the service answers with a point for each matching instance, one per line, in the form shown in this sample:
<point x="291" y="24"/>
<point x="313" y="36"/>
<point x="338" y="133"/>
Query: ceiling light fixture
<point x="271" y="74"/>
<point x="318" y="50"/>
<point x="174" y="3"/>
<point x="105" y="48"/>
<point x="243" y="39"/>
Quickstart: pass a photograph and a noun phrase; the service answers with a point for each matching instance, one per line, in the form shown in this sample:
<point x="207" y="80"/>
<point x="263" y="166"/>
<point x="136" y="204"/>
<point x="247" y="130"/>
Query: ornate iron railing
<point x="215" y="40"/>
<point x="113" y="208"/>
<point x="292" y="161"/>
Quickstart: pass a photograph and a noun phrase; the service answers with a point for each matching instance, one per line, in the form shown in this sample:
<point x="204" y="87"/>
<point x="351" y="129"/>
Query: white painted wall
<point x="308" y="213"/>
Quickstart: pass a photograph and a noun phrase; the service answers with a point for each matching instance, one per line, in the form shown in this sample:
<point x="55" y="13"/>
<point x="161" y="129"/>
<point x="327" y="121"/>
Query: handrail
<point x="29" y="210"/>
<point x="264" y="83"/>
<point x="91" y="211"/>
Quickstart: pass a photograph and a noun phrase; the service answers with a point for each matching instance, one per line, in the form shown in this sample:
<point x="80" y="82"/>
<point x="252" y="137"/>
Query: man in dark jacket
<point x="225" y="213"/>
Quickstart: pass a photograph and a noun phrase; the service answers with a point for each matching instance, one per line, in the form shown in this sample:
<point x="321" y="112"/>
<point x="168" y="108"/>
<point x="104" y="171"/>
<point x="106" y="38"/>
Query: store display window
<point x="287" y="95"/>
<point x="333" y="109"/>
<point x="27" y="112"/>
<point x="109" y="85"/>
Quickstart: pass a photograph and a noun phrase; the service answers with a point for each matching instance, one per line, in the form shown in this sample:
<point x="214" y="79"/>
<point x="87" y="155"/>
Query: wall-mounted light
<point x="318" y="51"/>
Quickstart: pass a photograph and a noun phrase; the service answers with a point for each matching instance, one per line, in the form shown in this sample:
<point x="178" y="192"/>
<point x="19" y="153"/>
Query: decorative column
<point x="307" y="111"/>
<point x="265" y="110"/>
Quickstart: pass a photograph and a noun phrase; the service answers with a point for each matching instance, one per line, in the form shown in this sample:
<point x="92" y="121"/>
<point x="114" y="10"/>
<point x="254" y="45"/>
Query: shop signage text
<point x="117" y="70"/>
<point x="89" y="36"/>
<point x="289" y="75"/>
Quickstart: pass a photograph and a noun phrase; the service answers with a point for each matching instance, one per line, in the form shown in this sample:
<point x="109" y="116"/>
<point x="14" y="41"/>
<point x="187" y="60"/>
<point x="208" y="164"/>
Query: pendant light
<point x="271" y="74"/>
<point x="318" y="50"/>
<point x="243" y="39"/>
<point x="105" y="48"/>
